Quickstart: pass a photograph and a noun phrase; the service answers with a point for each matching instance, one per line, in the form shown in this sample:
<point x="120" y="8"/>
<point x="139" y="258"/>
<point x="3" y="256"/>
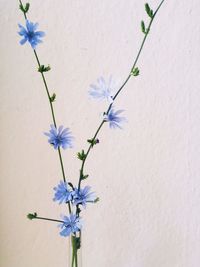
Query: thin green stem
<point x="137" y="57"/>
<point x="47" y="90"/>
<point x="74" y="252"/>
<point x="88" y="151"/>
<point x="61" y="163"/>
<point x="73" y="257"/>
<point x="23" y="12"/>
<point x="48" y="219"/>
<point x="76" y="258"/>
<point x="52" y="111"/>
<point x="118" y="92"/>
<point x="54" y="121"/>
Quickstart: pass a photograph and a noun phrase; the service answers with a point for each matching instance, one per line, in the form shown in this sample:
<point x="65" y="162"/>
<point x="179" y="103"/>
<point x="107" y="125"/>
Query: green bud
<point x="71" y="185"/>
<point x="25" y="8"/>
<point x="32" y="216"/>
<point x="149" y="10"/>
<point x="135" y="72"/>
<point x="97" y="200"/>
<point x="143" y="27"/>
<point x="93" y="141"/>
<point x="43" y="68"/>
<point x="21" y="7"/>
<point x="81" y="155"/>
<point x="78" y="210"/>
<point x="53" y="97"/>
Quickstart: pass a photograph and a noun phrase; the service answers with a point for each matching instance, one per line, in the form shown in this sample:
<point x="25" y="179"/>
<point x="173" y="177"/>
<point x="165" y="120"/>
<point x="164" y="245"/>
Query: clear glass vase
<point x="75" y="249"/>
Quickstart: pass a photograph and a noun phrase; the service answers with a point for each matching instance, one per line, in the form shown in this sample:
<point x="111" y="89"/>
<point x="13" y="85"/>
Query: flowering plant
<point x="77" y="197"/>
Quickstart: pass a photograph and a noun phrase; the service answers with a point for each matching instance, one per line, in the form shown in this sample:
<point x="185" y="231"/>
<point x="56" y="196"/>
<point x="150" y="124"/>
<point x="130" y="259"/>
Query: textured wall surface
<point x="146" y="175"/>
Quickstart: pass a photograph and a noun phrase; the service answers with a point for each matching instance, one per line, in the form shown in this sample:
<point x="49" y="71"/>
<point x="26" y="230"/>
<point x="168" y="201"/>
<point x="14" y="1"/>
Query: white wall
<point x="147" y="175"/>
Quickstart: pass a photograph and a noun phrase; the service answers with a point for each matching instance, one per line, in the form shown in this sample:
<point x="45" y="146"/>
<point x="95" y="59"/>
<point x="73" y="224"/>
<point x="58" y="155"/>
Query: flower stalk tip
<point x="32" y="216"/>
<point x="43" y="68"/>
<point x="149" y="11"/>
<point x="53" y="98"/>
<point x="81" y="155"/>
<point x="25" y="8"/>
<point x="93" y="141"/>
<point x="97" y="200"/>
<point x="135" y="72"/>
<point x="83" y="177"/>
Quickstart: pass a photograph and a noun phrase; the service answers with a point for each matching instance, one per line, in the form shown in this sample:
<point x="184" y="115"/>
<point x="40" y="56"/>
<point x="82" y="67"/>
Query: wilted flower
<point x="113" y="118"/>
<point x="71" y="224"/>
<point x="60" y="137"/>
<point x="83" y="196"/>
<point x="103" y="90"/>
<point x="62" y="193"/>
<point x="30" y="34"/>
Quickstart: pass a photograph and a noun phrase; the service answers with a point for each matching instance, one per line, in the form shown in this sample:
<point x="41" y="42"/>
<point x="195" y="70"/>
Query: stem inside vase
<point x="75" y="244"/>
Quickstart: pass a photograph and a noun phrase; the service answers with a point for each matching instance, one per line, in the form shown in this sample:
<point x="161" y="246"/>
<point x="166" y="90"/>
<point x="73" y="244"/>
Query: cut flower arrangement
<point x="77" y="197"/>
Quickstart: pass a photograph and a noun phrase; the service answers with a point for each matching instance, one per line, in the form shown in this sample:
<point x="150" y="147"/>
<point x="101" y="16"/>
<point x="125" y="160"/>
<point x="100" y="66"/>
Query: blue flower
<point x="62" y="193"/>
<point x="113" y="118"/>
<point x="71" y="224"/>
<point x="30" y="34"/>
<point x="60" y="138"/>
<point x="82" y="196"/>
<point x="103" y="90"/>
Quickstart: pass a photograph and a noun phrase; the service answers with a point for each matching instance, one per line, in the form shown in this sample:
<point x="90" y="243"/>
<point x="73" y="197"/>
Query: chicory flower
<point x="114" y="119"/>
<point x="62" y="193"/>
<point x="30" y="34"/>
<point x="60" y="137"/>
<point x="71" y="224"/>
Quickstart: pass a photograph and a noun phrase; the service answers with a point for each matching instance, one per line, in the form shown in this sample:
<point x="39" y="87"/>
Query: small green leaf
<point x="21" y="7"/>
<point x="71" y="185"/>
<point x="97" y="200"/>
<point x="53" y="97"/>
<point x="81" y="155"/>
<point x="27" y="6"/>
<point x="32" y="216"/>
<point x="135" y="72"/>
<point x="84" y="177"/>
<point x="43" y="68"/>
<point x="143" y="27"/>
<point x="93" y="141"/>
<point x="149" y="10"/>
<point x="78" y="210"/>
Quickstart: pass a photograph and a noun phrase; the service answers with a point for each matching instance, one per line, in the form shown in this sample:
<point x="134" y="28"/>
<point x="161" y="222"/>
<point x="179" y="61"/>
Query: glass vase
<point x="75" y="247"/>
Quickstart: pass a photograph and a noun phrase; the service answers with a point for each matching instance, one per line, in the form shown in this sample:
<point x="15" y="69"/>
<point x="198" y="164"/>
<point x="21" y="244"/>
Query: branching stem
<point x="118" y="92"/>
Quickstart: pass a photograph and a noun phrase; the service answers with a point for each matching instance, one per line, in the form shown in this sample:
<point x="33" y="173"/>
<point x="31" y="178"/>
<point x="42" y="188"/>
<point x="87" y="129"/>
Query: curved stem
<point x="88" y="151"/>
<point x="120" y="89"/>
<point x="138" y="55"/>
<point x="52" y="111"/>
